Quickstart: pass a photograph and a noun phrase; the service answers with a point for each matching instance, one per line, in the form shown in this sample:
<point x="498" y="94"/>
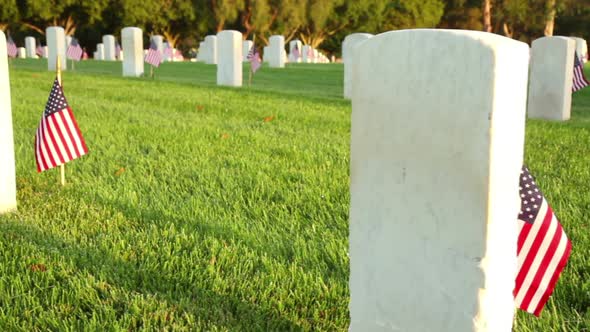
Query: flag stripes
<point x="11" y="48"/>
<point x="580" y="80"/>
<point x="74" y="51"/>
<point x="58" y="139"/>
<point x="153" y="56"/>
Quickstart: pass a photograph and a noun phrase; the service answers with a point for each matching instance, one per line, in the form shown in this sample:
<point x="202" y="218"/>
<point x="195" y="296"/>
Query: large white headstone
<point x="551" y="76"/>
<point x="436" y="154"/>
<point x="305" y="55"/>
<point x="7" y="166"/>
<point x="276" y="48"/>
<point x="211" y="48"/>
<point x="229" y="65"/>
<point x="109" y="47"/>
<point x="56" y="46"/>
<point x="100" y="51"/>
<point x="348" y="46"/>
<point x="132" y="43"/>
<point x="581" y="48"/>
<point x="159" y="41"/>
<point x="246" y="46"/>
<point x="31" y="47"/>
<point x="295" y="57"/>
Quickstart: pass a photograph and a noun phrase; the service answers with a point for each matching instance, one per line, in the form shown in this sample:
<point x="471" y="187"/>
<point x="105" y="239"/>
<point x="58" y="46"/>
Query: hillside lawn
<point x="221" y="209"/>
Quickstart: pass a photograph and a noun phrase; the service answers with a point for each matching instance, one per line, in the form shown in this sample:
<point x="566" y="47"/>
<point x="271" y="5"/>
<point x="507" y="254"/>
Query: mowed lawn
<point x="207" y="208"/>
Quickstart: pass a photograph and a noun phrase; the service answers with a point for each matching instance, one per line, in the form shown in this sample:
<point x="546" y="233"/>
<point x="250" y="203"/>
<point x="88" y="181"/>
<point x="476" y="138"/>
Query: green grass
<point x="192" y="213"/>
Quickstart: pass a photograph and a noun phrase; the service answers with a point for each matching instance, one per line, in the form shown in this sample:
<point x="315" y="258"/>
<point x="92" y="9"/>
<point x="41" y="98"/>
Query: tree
<point x="487" y="15"/>
<point x="8" y="13"/>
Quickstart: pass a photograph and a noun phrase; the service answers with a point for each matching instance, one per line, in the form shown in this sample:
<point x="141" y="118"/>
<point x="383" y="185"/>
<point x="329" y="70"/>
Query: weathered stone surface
<point x="7" y="166"/>
<point x="550" y="78"/>
<point x="436" y="154"/>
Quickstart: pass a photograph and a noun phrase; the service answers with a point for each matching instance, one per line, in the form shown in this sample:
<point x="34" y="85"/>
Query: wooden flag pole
<point x="62" y="167"/>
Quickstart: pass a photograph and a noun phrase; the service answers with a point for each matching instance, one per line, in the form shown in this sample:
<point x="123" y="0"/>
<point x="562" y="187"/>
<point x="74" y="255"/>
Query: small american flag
<point x="11" y="48"/>
<point x="580" y="80"/>
<point x="117" y="50"/>
<point x="74" y="51"/>
<point x="153" y="56"/>
<point x="254" y="58"/>
<point x="58" y="138"/>
<point x="296" y="53"/>
<point x="39" y="50"/>
<point x="543" y="248"/>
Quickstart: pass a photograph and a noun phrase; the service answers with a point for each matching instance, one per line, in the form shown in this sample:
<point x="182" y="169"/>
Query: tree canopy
<point x="320" y="23"/>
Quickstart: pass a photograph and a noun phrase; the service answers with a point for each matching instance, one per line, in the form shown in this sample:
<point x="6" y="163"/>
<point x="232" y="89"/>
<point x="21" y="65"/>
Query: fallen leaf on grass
<point x="38" y="268"/>
<point x="269" y="118"/>
<point x="224" y="136"/>
<point x="213" y="260"/>
<point x="200" y="107"/>
<point x="120" y="171"/>
<point x="35" y="75"/>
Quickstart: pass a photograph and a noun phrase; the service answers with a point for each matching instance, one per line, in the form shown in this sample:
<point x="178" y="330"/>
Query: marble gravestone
<point x="434" y="172"/>
<point x="292" y="44"/>
<point x="7" y="166"/>
<point x="211" y="57"/>
<point x="201" y="52"/>
<point x="348" y="46"/>
<point x="132" y="43"/>
<point x="276" y="47"/>
<point x="45" y="52"/>
<point x="109" y="47"/>
<point x="246" y="46"/>
<point x="581" y="48"/>
<point x="305" y="54"/>
<point x="22" y="53"/>
<point x="31" y="47"/>
<point x="550" y="78"/>
<point x="99" y="51"/>
<point x="229" y="65"/>
<point x="56" y="46"/>
<point x="68" y="41"/>
<point x="266" y="54"/>
<point x="159" y="41"/>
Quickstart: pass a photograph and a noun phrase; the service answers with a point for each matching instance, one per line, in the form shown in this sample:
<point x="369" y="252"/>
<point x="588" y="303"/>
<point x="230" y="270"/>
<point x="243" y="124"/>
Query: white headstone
<point x="316" y="56"/>
<point x="100" y="51"/>
<point x="109" y="47"/>
<point x="159" y="41"/>
<point x="550" y="78"/>
<point x="276" y="48"/>
<point x="7" y="166"/>
<point x="581" y="48"/>
<point x="211" y="57"/>
<point x="435" y="165"/>
<point x="45" y="52"/>
<point x="31" y="46"/>
<point x="22" y="53"/>
<point x="68" y="41"/>
<point x="202" y="52"/>
<point x="56" y="46"/>
<point x="121" y="55"/>
<point x="348" y="46"/>
<point x="292" y="44"/>
<point x="229" y="65"/>
<point x="132" y="43"/>
<point x="246" y="46"/>
<point x="305" y="54"/>
<point x="266" y="55"/>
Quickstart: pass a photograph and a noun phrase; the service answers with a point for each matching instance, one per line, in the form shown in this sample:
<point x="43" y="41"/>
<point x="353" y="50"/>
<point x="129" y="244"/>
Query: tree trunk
<point x="487" y="15"/>
<point x="549" y="17"/>
<point x="507" y="31"/>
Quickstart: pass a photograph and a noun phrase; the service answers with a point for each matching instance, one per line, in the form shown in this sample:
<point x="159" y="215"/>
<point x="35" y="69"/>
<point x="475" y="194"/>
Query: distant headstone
<point x="45" y="52"/>
<point x="7" y="166"/>
<point x="68" y="41"/>
<point x="305" y="56"/>
<point x="316" y="56"/>
<point x="56" y="46"/>
<point x="229" y="65"/>
<point x="109" y="47"/>
<point x="22" y="53"/>
<point x="159" y="41"/>
<point x="121" y="55"/>
<point x="100" y="51"/>
<point x="434" y="170"/>
<point x="348" y="46"/>
<point x="550" y="78"/>
<point x="211" y="57"/>
<point x="581" y="48"/>
<point x="292" y="56"/>
<point x="246" y="46"/>
<point x="132" y="43"/>
<point x="276" y="48"/>
<point x="31" y="47"/>
<point x="266" y="53"/>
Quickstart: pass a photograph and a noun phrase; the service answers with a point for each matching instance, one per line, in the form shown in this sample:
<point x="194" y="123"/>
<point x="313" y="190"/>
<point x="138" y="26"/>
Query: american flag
<point x="153" y="56"/>
<point x="296" y="53"/>
<point x="117" y="50"/>
<point x="58" y="138"/>
<point x="169" y="53"/>
<point x="580" y="80"/>
<point x="39" y="50"/>
<point x="11" y="48"/>
<point x="310" y="52"/>
<point x="254" y="58"/>
<point x="74" y="51"/>
<point x="543" y="248"/>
